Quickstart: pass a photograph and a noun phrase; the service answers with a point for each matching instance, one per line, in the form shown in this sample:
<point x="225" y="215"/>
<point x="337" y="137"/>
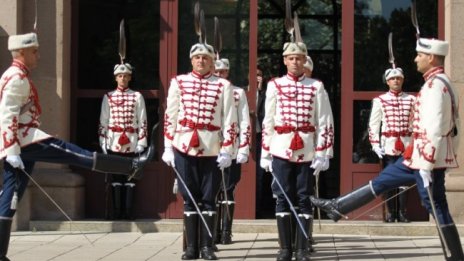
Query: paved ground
<point x="166" y="246"/>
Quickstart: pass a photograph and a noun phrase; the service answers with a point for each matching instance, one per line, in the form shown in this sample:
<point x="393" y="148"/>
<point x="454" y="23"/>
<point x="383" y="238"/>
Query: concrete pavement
<point x="166" y="246"/>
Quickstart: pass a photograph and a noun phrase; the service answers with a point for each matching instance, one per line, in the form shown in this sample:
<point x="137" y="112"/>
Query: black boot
<point x="206" y="241"/>
<point x="390" y="216"/>
<point x="191" y="235"/>
<point x="226" y="235"/>
<point x="129" y="201"/>
<point x="294" y="225"/>
<point x="310" y="234"/>
<point x="5" y="231"/>
<point x="450" y="232"/>
<point x="402" y="200"/>
<point x="336" y="208"/>
<point x="218" y="224"/>
<point x="302" y="248"/>
<point x="285" y="236"/>
<point x="117" y="199"/>
<point x="123" y="165"/>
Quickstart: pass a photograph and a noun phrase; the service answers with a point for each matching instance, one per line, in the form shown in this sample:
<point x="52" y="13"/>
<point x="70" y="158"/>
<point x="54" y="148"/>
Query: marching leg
<point x="226" y="235"/>
<point x="206" y="241"/>
<point x="336" y="208"/>
<point x="117" y="200"/>
<point x="285" y="236"/>
<point x="129" y="200"/>
<point x="191" y="231"/>
<point x="450" y="232"/>
<point x="402" y="200"/>
<point x="302" y="251"/>
<point x="390" y="216"/>
<point x="5" y="231"/>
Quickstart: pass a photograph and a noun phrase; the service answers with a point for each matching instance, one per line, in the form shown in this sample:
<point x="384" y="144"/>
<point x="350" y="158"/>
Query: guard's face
<point x="395" y="83"/>
<point x="222" y="73"/>
<point x="423" y="62"/>
<point x="202" y="63"/>
<point x="31" y="56"/>
<point x="295" y="63"/>
<point x="123" y="79"/>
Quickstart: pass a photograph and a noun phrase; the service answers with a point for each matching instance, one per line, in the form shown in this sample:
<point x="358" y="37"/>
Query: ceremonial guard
<point x="199" y="137"/>
<point x="390" y="132"/>
<point x="298" y="138"/>
<point x="23" y="143"/>
<point x="233" y="173"/>
<point x="431" y="151"/>
<point x="123" y="131"/>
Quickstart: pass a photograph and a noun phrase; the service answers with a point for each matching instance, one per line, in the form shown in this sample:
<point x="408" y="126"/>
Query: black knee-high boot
<point x="116" y="188"/>
<point x="450" y="232"/>
<point x="402" y="201"/>
<point x="391" y="214"/>
<point x="129" y="201"/>
<point x="285" y="236"/>
<point x="191" y="235"/>
<point x="336" y="208"/>
<point x="302" y="250"/>
<point x="227" y="220"/>
<point x="5" y="231"/>
<point x="206" y="240"/>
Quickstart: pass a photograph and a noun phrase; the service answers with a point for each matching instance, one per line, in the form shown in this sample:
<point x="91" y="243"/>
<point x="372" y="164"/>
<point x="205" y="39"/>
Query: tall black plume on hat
<point x="217" y="38"/>
<point x="199" y="22"/>
<point x="391" y="56"/>
<point x="122" y="42"/>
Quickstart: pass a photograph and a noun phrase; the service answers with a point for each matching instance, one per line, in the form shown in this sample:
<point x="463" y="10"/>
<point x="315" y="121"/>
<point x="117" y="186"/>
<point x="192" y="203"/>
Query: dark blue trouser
<point x="397" y="174"/>
<point x="296" y="181"/>
<point x="232" y="176"/>
<point x="51" y="150"/>
<point x="202" y="177"/>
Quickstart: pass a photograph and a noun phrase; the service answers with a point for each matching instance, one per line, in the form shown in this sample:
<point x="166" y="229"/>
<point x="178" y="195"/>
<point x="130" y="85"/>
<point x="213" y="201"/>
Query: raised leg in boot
<point x="285" y="236"/>
<point x="302" y="248"/>
<point x="402" y="200"/>
<point x="206" y="240"/>
<point x="191" y="220"/>
<point x="338" y="207"/>
<point x="5" y="231"/>
<point x="227" y="220"/>
<point x="389" y="196"/>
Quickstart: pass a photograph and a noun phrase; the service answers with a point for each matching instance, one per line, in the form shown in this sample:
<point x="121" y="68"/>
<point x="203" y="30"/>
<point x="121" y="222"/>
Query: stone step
<point x="376" y="228"/>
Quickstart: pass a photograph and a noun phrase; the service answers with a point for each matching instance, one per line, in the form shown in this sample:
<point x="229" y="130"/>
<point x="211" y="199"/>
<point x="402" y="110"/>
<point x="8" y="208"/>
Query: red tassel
<point x="297" y="142"/>
<point x="399" y="146"/>
<point x="408" y="151"/>
<point x="194" y="141"/>
<point x="123" y="139"/>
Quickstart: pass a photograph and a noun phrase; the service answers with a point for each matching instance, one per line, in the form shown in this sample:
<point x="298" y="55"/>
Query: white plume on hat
<point x="309" y="63"/>
<point x="122" y="68"/>
<point x="222" y="64"/>
<point x="393" y="72"/>
<point x="21" y="41"/>
<point x="432" y="46"/>
<point x="202" y="48"/>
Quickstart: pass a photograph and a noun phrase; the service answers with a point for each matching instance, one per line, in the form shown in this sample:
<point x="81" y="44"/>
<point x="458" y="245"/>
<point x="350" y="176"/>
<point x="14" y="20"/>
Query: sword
<point x="193" y="200"/>
<point x="54" y="202"/>
<point x="225" y="193"/>
<point x="316" y="173"/>
<point x="292" y="208"/>
<point x="437" y="222"/>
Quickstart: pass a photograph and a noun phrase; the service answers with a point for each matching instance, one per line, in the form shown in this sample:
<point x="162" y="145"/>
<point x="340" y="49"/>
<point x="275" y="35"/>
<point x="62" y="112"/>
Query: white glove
<point x="266" y="164"/>
<point x="317" y="164"/>
<point x="168" y="157"/>
<point x="224" y="160"/>
<point x="242" y="158"/>
<point x="426" y="176"/>
<point x="139" y="149"/>
<point x="15" y="161"/>
<point x="104" y="149"/>
<point x="326" y="164"/>
<point x="379" y="151"/>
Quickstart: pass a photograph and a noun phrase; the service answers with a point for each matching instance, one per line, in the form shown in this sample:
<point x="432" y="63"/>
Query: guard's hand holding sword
<point x="168" y="157"/>
<point x="15" y="161"/>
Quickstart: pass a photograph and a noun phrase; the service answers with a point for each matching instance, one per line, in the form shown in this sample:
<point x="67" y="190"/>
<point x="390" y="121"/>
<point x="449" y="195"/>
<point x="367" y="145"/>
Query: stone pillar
<point x="454" y="68"/>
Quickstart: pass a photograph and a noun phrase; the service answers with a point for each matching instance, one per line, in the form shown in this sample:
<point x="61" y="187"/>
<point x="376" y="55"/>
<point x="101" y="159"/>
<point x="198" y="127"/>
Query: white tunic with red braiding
<point x="242" y="145"/>
<point x="390" y="122"/>
<point x="432" y="145"/>
<point x="123" y="121"/>
<point x="19" y="111"/>
<point x="199" y="118"/>
<point x="298" y="122"/>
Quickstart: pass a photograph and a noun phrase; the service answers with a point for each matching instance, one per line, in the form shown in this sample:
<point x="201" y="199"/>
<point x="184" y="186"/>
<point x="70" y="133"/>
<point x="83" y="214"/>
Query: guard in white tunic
<point x="199" y="137"/>
<point x="431" y="151"/>
<point x="298" y="139"/>
<point x="22" y="143"/>
<point x="233" y="173"/>
<point x="123" y="131"/>
<point x="390" y="132"/>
